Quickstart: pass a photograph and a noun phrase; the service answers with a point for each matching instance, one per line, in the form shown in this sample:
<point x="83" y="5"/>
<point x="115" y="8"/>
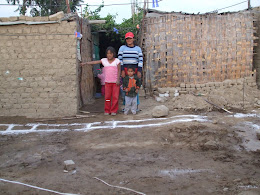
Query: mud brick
<point x="22" y="18"/>
<point x="28" y="18"/>
<point x="13" y="18"/>
<point x="198" y="86"/>
<point x="69" y="165"/>
<point x="56" y="16"/>
<point x="207" y="89"/>
<point x="4" y="19"/>
<point x="182" y="85"/>
<point x="183" y="92"/>
<point x="192" y="85"/>
<point x="221" y="84"/>
<point x="217" y="84"/>
<point x="227" y="82"/>
<point x="211" y="84"/>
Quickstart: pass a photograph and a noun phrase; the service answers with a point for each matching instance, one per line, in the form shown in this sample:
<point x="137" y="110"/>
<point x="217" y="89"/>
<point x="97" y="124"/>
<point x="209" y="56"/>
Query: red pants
<point x="111" y="97"/>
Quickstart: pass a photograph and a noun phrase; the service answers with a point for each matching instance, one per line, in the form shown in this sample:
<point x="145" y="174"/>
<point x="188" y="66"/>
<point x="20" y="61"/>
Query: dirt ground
<point x="191" y="151"/>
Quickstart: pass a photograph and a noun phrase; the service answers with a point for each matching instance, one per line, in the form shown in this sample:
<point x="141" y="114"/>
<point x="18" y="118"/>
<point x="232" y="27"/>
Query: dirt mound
<point x="233" y="97"/>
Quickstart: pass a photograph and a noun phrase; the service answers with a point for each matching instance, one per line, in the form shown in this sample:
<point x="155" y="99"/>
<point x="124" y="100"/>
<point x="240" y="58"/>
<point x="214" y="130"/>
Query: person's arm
<point x="91" y="63"/>
<point x="125" y="84"/>
<point x="118" y="74"/>
<point x="138" y="84"/>
<point x="120" y="57"/>
<point x="140" y="63"/>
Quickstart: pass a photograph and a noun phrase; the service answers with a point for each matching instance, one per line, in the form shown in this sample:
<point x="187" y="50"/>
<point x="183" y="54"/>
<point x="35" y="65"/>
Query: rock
<point x="237" y="180"/>
<point x="225" y="189"/>
<point x="69" y="165"/>
<point x="161" y="99"/>
<point x="215" y="122"/>
<point x="158" y="99"/>
<point x="160" y="111"/>
<point x="211" y="145"/>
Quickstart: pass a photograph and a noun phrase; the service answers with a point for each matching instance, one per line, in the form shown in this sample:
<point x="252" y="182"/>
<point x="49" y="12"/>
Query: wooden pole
<point x="249" y="4"/>
<point x="68" y="6"/>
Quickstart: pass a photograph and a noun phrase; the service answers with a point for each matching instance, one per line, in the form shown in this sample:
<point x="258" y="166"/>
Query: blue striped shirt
<point x="130" y="56"/>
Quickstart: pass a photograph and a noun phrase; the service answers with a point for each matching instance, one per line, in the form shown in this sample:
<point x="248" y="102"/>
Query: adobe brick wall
<point x="256" y="59"/>
<point x="38" y="69"/>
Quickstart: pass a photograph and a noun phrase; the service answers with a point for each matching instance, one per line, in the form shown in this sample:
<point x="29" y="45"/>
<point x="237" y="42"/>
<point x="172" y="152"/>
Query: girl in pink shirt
<point x="112" y="75"/>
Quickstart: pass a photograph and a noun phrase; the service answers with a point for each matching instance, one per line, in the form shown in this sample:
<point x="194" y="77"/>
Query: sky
<point x="124" y="11"/>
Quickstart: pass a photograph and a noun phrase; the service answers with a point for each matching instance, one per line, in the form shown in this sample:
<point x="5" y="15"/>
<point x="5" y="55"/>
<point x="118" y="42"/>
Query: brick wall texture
<point x="38" y="70"/>
<point x="256" y="61"/>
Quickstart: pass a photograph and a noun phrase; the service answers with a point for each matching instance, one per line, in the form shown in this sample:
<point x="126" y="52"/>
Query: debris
<point x="124" y="188"/>
<point x="35" y="187"/>
<point x="85" y="112"/>
<point x="211" y="145"/>
<point x="176" y="94"/>
<point x="69" y="165"/>
<point x="160" y="99"/>
<point x="160" y="111"/>
<point x="214" y="104"/>
<point x="225" y="189"/>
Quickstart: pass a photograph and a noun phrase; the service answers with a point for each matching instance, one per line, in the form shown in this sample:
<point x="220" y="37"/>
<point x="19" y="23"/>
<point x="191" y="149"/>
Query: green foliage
<point x="45" y="7"/>
<point x="114" y="32"/>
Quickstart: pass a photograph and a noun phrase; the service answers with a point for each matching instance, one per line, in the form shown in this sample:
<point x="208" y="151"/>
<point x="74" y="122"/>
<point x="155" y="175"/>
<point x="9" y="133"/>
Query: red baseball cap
<point x="129" y="35"/>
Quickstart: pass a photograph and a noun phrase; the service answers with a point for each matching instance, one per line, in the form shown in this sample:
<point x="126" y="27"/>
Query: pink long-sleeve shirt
<point x="110" y="70"/>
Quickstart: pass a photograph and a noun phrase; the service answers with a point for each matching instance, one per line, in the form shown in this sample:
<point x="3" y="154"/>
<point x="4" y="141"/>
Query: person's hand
<point x="126" y="90"/>
<point x="136" y="91"/>
<point x="82" y="64"/>
<point x="117" y="82"/>
<point x="123" y="74"/>
<point x="139" y="75"/>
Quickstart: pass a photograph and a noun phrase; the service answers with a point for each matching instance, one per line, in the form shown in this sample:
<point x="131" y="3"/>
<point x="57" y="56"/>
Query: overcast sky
<point x="124" y="11"/>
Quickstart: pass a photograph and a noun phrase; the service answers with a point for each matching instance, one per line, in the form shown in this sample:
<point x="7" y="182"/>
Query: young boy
<point x="131" y="85"/>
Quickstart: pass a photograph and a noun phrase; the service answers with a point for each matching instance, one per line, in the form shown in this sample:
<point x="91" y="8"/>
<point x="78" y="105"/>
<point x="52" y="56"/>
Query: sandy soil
<point x="188" y="152"/>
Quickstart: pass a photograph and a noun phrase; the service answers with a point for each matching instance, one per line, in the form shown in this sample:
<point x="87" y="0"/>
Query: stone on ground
<point x="160" y="111"/>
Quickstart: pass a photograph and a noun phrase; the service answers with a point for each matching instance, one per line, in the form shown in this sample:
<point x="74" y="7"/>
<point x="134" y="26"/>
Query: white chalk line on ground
<point x="177" y="172"/>
<point x="101" y="125"/>
<point x="241" y="115"/>
<point x="35" y="187"/>
<point x="124" y="188"/>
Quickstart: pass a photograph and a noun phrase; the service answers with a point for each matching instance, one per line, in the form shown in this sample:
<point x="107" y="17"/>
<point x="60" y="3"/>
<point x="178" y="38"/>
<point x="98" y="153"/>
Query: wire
<point x="228" y="6"/>
<point x="88" y="4"/>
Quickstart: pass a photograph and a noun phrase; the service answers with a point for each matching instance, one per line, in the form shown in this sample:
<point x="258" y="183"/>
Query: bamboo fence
<point x="197" y="49"/>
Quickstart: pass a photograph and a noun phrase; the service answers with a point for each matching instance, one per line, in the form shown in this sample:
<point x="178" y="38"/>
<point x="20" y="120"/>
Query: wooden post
<point x="68" y="6"/>
<point x="249" y="4"/>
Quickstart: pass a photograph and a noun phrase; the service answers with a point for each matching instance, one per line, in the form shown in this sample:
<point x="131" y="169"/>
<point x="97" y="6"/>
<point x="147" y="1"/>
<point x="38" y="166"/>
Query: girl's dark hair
<point x="112" y="50"/>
